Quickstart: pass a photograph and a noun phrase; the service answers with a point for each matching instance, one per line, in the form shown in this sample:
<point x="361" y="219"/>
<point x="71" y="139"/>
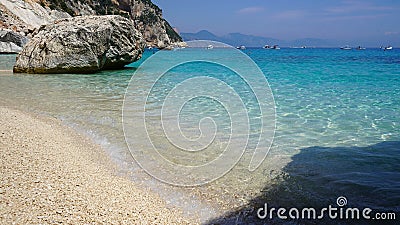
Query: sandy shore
<point x="51" y="175"/>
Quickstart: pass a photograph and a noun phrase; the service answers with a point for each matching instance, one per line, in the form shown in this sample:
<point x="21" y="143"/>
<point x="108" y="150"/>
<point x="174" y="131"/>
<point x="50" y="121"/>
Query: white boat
<point x="242" y="47"/>
<point x="276" y="47"/>
<point x="360" y="48"/>
<point x="345" y="48"/>
<point x="388" y="48"/>
<point x="210" y="47"/>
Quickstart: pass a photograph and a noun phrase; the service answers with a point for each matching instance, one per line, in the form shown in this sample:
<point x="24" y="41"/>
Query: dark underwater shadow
<point x="317" y="176"/>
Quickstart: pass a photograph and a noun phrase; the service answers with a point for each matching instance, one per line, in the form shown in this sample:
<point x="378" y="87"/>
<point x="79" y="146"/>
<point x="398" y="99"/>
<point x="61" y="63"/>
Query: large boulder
<point x="83" y="44"/>
<point x="11" y="42"/>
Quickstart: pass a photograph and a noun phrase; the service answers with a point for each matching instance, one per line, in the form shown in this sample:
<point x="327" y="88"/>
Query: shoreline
<point x="52" y="174"/>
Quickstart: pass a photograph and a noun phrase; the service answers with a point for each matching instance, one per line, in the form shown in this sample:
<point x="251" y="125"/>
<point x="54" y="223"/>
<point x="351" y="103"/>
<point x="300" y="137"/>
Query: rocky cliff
<point x="11" y="42"/>
<point x="24" y="16"/>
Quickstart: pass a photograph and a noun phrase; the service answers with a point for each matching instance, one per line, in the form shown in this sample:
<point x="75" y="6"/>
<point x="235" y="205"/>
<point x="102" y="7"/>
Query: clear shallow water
<point x="338" y="132"/>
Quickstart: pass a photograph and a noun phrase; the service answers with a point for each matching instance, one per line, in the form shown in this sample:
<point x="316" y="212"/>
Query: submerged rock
<point x="11" y="42"/>
<point x="83" y="44"/>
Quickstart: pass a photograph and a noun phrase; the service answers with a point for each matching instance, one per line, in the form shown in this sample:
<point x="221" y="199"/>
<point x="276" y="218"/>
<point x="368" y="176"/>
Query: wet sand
<point x="52" y="175"/>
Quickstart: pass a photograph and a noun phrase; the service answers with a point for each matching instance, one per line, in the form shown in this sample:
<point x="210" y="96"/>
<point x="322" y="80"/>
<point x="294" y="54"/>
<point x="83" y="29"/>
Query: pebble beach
<point x="53" y="175"/>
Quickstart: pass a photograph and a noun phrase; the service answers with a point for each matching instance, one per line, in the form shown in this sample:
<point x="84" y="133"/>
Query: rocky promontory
<point x="24" y="16"/>
<point x="82" y="44"/>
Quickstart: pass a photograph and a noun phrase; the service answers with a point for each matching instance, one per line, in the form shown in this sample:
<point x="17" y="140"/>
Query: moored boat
<point x="388" y="48"/>
<point x="276" y="47"/>
<point x="360" y="48"/>
<point x="346" y="47"/>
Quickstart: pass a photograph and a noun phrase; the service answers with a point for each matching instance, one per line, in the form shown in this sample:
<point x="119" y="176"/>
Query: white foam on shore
<point x="191" y="205"/>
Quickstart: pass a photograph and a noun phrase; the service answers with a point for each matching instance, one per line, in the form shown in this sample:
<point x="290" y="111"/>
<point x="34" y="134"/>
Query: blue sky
<point x="371" y="22"/>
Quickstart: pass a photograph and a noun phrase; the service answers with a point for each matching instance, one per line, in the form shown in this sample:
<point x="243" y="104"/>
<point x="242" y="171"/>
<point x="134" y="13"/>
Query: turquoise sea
<point x="337" y="126"/>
